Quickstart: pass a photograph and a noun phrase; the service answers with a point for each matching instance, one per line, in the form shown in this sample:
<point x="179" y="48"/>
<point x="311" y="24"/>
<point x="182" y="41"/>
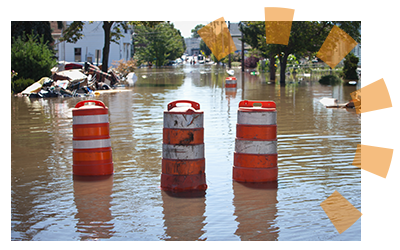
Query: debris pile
<point x="333" y="103"/>
<point x="72" y="80"/>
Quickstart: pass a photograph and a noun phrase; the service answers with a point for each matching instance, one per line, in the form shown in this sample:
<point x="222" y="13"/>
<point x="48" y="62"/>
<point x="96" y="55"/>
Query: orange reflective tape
<point x="183" y="167"/>
<point x="92" y="155"/>
<point x="91" y="130"/>
<point x="258" y="132"/>
<point x="254" y="174"/>
<point x="183" y="136"/>
<point x="255" y="160"/>
<point x="230" y="85"/>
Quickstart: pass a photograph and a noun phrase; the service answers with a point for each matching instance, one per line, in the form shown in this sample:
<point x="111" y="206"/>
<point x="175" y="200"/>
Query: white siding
<point x="93" y="39"/>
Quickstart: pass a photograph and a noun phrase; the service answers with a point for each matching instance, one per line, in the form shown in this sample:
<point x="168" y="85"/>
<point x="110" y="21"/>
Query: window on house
<point x="78" y="52"/>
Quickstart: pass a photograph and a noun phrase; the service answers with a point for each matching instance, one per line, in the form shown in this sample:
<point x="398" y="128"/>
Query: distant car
<point x="200" y="59"/>
<point x="171" y="63"/>
<point x="178" y="61"/>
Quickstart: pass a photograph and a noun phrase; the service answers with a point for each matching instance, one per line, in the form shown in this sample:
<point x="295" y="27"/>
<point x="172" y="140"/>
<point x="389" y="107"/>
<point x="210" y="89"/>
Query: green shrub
<point x="262" y="66"/>
<point x="350" y="67"/>
<point x="330" y="80"/>
<point x="236" y="64"/>
<point x="20" y="84"/>
<point x="31" y="57"/>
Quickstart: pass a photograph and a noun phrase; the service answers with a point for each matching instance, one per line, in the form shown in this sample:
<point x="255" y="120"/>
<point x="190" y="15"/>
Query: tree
<point x="158" y="44"/>
<point x="203" y="47"/>
<point x="350" y="67"/>
<point x="36" y="28"/>
<point x="254" y="35"/>
<point x="112" y="33"/>
<point x="31" y="57"/>
<point x="195" y="29"/>
<point x="306" y="37"/>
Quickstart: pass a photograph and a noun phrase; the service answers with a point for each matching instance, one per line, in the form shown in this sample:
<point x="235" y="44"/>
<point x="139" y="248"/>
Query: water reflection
<point x="183" y="216"/>
<point x="169" y="76"/>
<point x="92" y="198"/>
<point x="255" y="210"/>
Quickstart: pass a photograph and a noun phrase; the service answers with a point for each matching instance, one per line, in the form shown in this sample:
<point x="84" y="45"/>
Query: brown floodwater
<point x="316" y="148"/>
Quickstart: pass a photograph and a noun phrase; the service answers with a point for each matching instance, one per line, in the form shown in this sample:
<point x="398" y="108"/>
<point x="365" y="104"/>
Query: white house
<point x="192" y="46"/>
<point x="90" y="47"/>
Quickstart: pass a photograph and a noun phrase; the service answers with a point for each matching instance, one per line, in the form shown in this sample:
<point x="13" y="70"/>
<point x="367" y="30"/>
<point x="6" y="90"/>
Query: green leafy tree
<point x="31" y="57"/>
<point x="39" y="28"/>
<point x="350" y="67"/>
<point x="254" y="35"/>
<point x="158" y="44"/>
<point x="112" y="33"/>
<point x="195" y="29"/>
<point x="203" y="46"/>
<point x="306" y="37"/>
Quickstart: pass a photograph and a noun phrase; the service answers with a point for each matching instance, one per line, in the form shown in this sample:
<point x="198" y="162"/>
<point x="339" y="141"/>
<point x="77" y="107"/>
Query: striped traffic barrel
<point x="183" y="162"/>
<point x="92" y="153"/>
<point x="230" y="82"/>
<point x="255" y="156"/>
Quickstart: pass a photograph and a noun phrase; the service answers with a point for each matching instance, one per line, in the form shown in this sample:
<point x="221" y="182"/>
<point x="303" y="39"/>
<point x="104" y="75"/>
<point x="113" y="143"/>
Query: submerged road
<point x="316" y="147"/>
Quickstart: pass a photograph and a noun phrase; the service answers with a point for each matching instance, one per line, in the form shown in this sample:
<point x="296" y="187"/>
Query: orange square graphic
<point x="218" y="39"/>
<point x="356" y="98"/>
<point x="336" y="46"/>
<point x="376" y="96"/>
<point x="277" y="32"/>
<point x="278" y="23"/>
<point x="340" y="211"/>
<point x="375" y="160"/>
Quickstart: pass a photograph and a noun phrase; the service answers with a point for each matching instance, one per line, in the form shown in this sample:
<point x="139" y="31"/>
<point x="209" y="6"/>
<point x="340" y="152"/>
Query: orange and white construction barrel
<point x="92" y="153"/>
<point x="256" y="156"/>
<point x="230" y="82"/>
<point x="183" y="162"/>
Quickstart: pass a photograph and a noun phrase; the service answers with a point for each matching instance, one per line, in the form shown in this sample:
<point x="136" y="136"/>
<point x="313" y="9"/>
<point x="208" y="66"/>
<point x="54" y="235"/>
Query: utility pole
<point x="242" y="52"/>
<point x="229" y="28"/>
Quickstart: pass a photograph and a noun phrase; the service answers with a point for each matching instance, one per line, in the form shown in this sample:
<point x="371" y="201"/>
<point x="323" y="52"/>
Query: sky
<point x="186" y="26"/>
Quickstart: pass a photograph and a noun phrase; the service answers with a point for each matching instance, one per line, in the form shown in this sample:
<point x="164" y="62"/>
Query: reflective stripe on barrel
<point x="257" y="117"/>
<point x="255" y="147"/>
<point x="92" y="153"/>
<point x="90" y="144"/>
<point x="90" y="119"/>
<point x="255" y="156"/>
<point x="183" y="152"/>
<point x="183" y="162"/>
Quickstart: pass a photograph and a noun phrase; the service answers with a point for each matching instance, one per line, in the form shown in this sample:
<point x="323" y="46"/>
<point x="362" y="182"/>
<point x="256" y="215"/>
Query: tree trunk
<point x="272" y="70"/>
<point x="107" y="40"/>
<point x="283" y="64"/>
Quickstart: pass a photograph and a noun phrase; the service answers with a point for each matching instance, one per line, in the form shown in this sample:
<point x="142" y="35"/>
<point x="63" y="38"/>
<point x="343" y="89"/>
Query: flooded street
<point x="316" y="148"/>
